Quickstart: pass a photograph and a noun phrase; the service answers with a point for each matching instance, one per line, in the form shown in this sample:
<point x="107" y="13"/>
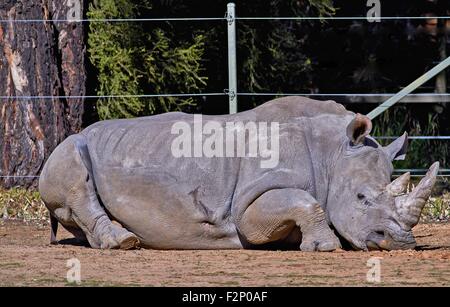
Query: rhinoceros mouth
<point x="385" y="240"/>
<point x="375" y="241"/>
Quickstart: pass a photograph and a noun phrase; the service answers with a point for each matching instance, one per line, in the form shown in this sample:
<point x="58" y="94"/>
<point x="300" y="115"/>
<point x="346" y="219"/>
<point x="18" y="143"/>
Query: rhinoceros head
<point x="364" y="206"/>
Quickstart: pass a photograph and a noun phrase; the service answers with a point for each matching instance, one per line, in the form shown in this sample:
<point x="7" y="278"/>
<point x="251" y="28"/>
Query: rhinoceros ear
<point x="358" y="129"/>
<point x="397" y="149"/>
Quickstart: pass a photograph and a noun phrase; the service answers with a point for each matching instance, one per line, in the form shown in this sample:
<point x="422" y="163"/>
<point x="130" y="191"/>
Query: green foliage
<point x="154" y="58"/>
<point x="134" y="60"/>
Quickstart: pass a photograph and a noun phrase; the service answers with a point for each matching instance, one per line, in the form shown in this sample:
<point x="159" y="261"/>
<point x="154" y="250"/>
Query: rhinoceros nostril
<point x="380" y="233"/>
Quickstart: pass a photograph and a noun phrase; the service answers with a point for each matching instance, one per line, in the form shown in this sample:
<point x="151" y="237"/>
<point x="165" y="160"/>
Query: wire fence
<point x="344" y="94"/>
<point x="73" y="97"/>
<point x="444" y="97"/>
<point x="107" y="20"/>
<point x="292" y="18"/>
<point x="366" y="18"/>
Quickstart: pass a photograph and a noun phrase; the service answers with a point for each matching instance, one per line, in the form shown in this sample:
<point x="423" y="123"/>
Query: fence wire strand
<point x="111" y="96"/>
<point x="222" y="94"/>
<point x="298" y="18"/>
<point x="106" y="20"/>
<point x="344" y="94"/>
<point x="345" y="18"/>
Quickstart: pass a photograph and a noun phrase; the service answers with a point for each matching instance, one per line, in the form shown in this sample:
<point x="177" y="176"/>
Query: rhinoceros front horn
<point x="409" y="207"/>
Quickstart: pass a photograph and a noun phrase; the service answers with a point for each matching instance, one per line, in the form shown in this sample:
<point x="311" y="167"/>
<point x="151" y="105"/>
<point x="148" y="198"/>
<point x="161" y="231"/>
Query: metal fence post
<point x="410" y="88"/>
<point x="232" y="71"/>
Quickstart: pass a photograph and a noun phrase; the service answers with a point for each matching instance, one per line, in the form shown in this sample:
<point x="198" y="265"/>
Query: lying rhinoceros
<point x="119" y="184"/>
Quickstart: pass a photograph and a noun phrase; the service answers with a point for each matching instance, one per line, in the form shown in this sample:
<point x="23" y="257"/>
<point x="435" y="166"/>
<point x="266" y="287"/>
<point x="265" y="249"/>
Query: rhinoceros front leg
<point x="68" y="190"/>
<point x="275" y="214"/>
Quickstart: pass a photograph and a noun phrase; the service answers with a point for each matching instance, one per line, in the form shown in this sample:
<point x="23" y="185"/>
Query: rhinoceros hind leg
<point x="68" y="190"/>
<point x="53" y="230"/>
<point x="275" y="214"/>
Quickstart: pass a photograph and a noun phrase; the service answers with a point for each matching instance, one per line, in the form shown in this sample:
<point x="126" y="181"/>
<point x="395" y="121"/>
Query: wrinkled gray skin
<point x="331" y="175"/>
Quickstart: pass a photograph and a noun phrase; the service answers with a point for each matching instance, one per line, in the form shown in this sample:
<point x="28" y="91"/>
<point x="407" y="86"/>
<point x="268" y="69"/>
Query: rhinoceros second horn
<point x="399" y="185"/>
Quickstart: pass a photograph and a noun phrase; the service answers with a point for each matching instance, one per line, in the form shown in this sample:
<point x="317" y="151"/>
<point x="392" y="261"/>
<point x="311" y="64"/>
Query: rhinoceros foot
<point x="320" y="240"/>
<point x="321" y="245"/>
<point x="116" y="237"/>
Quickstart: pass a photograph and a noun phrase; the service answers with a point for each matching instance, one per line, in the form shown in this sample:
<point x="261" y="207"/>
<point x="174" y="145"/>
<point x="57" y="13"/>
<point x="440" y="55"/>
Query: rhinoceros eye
<point x="361" y="196"/>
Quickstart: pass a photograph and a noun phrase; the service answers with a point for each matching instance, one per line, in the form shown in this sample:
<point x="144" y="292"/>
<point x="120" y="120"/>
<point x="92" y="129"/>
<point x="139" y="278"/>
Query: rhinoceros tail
<point x="53" y="229"/>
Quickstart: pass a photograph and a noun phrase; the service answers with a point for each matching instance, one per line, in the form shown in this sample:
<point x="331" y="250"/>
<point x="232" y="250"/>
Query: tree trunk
<point x="38" y="58"/>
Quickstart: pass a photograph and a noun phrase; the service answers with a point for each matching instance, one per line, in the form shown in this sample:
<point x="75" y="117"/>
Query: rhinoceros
<point x="118" y="184"/>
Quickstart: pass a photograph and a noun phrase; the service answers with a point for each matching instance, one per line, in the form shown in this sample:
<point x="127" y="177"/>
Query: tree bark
<point x="37" y="58"/>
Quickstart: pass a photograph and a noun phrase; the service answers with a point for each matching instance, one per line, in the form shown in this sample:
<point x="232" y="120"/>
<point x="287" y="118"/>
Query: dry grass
<point x="21" y="204"/>
<point x="437" y="209"/>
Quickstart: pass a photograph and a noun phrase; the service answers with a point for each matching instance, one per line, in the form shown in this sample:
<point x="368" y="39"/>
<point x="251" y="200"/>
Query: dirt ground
<point x="26" y="259"/>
